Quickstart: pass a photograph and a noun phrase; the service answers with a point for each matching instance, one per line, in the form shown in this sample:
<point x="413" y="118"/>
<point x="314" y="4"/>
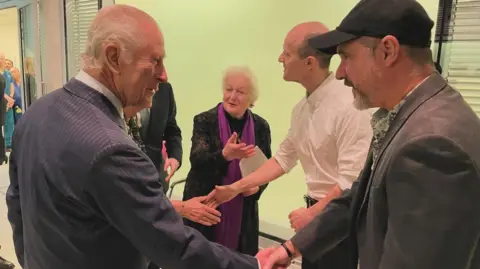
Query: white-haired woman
<point x="221" y="137"/>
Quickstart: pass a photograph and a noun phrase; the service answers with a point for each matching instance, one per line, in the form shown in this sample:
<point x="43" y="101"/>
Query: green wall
<point x="204" y="37"/>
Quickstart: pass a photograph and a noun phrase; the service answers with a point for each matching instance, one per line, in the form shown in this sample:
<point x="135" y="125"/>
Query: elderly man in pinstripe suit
<point x="82" y="193"/>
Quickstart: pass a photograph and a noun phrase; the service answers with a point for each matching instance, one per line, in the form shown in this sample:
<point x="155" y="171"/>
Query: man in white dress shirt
<point x="327" y="135"/>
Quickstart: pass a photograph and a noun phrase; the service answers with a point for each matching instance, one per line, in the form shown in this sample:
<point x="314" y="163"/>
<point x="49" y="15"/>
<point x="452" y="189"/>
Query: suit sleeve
<point x="432" y="190"/>
<point x="328" y="229"/>
<point x="204" y="155"/>
<point x="15" y="210"/>
<point x="173" y="134"/>
<point x="124" y="186"/>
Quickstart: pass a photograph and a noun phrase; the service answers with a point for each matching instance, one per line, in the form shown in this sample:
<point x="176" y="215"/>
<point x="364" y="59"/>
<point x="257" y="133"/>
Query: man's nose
<point x="163" y="77"/>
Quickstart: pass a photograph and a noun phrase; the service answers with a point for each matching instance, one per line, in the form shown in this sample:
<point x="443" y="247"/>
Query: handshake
<point x="277" y="258"/>
<point x="203" y="209"/>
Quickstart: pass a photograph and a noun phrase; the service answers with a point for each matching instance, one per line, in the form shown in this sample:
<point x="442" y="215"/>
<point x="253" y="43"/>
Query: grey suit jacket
<point x="420" y="206"/>
<point x="83" y="195"/>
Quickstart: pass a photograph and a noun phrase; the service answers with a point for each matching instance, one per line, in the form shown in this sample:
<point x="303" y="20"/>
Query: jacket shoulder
<point x="260" y="121"/>
<point x="209" y="116"/>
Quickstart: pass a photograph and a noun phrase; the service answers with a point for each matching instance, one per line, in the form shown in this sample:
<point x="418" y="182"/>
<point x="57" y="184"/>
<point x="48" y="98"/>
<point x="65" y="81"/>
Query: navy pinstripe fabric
<point x="83" y="195"/>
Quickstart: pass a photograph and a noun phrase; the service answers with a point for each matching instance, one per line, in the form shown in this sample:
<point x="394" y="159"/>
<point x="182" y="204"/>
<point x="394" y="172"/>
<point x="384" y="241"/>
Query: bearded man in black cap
<point x="416" y="203"/>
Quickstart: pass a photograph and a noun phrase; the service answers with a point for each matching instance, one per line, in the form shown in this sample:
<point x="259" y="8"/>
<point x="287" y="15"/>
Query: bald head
<point x="125" y="26"/>
<point x="301" y="32"/>
<point x="297" y="40"/>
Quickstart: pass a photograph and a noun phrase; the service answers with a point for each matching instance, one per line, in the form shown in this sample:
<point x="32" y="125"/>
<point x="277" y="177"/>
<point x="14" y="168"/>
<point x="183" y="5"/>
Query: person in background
<point x="4" y="264"/>
<point x="159" y="121"/>
<point x="416" y="203"/>
<point x="30" y="83"/>
<point x="3" y="110"/>
<point x="8" y="64"/>
<point x="82" y="194"/>
<point x="17" y="84"/>
<point x="222" y="136"/>
<point x="327" y="135"/>
<point x="9" y="92"/>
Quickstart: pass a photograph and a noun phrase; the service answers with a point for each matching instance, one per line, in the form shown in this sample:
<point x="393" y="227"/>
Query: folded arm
<point x="124" y="186"/>
<point x="433" y="190"/>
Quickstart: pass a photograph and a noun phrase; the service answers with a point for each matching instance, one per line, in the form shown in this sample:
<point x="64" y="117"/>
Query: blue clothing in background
<point x="17" y="107"/>
<point x="9" y="117"/>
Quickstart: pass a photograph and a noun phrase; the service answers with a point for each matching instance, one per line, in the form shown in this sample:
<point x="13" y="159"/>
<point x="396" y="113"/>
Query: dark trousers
<point x="337" y="258"/>
<point x="3" y="155"/>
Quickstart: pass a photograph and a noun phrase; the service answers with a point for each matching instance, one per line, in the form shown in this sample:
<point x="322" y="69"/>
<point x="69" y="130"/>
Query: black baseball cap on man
<point x="406" y="20"/>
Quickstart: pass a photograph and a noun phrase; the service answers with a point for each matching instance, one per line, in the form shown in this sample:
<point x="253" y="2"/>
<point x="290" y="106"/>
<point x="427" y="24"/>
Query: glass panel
<point x="28" y="28"/>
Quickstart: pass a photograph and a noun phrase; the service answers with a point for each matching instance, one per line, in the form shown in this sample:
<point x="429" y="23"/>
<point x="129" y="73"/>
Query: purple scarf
<point x="227" y="232"/>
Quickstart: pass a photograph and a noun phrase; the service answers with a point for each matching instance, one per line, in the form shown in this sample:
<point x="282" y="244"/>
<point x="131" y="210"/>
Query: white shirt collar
<point x="88" y="80"/>
<point x="316" y="97"/>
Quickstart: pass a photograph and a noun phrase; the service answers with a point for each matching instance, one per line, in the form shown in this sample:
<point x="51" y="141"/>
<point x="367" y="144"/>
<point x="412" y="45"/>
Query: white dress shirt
<point x="329" y="137"/>
<point x="88" y="80"/>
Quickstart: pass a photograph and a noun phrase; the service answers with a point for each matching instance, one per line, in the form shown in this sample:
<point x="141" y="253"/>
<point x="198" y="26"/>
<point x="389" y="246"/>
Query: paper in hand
<point x="249" y="165"/>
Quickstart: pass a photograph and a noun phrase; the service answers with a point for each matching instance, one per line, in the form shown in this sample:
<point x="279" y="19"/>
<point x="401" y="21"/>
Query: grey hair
<point x="248" y="74"/>
<point x="119" y="28"/>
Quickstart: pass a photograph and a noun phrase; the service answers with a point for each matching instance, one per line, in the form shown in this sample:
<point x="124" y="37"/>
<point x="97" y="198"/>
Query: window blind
<point x="462" y="54"/>
<point x="78" y="16"/>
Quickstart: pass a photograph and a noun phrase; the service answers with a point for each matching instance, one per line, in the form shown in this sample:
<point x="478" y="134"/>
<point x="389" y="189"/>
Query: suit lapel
<point x="434" y="84"/>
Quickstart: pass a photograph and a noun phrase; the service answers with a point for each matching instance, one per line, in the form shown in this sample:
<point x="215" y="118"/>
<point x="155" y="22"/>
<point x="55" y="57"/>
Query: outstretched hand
<point x="196" y="211"/>
<point x="220" y="195"/>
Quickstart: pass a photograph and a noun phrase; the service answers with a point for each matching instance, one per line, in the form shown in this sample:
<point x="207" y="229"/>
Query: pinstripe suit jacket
<point x="83" y="195"/>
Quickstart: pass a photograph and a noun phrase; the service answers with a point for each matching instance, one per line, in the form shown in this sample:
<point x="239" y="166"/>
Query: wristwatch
<point x="289" y="253"/>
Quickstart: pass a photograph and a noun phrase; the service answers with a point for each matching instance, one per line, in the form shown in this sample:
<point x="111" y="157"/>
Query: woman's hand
<point x="196" y="211"/>
<point x="232" y="150"/>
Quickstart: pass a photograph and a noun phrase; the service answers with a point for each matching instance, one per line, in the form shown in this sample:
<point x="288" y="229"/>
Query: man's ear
<point x="112" y="55"/>
<point x="390" y="48"/>
<point x="311" y="61"/>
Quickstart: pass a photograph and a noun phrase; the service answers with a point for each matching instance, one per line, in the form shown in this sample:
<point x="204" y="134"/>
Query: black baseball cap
<point x="406" y="20"/>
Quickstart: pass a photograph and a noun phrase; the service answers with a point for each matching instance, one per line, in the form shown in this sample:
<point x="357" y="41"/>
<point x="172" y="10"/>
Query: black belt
<point x="309" y="200"/>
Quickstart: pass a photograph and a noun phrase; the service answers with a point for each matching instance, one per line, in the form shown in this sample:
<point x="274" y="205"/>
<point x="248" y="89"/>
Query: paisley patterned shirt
<point x="381" y="121"/>
<point x="133" y="129"/>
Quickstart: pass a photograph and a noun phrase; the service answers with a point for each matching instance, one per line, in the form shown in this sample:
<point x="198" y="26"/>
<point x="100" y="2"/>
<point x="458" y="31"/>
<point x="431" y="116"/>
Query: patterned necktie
<point x="134" y="132"/>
